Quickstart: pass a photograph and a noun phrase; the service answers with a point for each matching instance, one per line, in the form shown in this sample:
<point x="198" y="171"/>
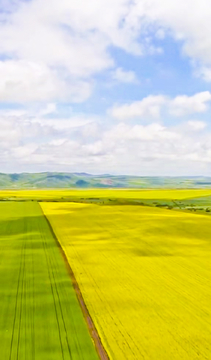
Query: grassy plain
<point x="40" y="318"/>
<point x="144" y="273"/>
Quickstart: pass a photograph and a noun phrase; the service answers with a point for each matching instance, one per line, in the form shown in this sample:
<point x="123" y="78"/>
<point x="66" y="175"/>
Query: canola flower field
<point x="60" y="194"/>
<point x="40" y="317"/>
<point x="144" y="274"/>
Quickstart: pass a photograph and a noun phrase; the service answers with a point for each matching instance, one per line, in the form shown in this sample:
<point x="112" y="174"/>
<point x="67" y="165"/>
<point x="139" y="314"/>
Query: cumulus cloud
<point x="125" y="24"/>
<point x="51" y="50"/>
<point x="188" y="24"/>
<point x="24" y="81"/>
<point x="49" y="144"/>
<point x="50" y="108"/>
<point x="124" y="76"/>
<point x="151" y="106"/>
<point x="51" y="53"/>
<point x="204" y="72"/>
<point x="185" y="105"/>
<point x="148" y="107"/>
<point x="196" y="125"/>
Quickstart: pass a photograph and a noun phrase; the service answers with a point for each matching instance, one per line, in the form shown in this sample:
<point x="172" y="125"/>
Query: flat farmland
<point x="40" y="318"/>
<point x="62" y="194"/>
<point x="144" y="274"/>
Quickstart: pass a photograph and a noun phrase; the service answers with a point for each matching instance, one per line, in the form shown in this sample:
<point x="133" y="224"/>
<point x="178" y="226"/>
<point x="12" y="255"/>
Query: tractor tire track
<point x="50" y="258"/>
<point x="16" y="302"/>
<point x="40" y="315"/>
<point x="53" y="295"/>
<point x="22" y="293"/>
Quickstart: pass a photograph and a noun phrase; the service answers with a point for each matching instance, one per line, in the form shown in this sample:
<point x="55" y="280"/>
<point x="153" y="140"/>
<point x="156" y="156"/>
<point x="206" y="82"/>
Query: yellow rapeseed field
<point x="145" y="276"/>
<point x="106" y="193"/>
<point x="61" y="194"/>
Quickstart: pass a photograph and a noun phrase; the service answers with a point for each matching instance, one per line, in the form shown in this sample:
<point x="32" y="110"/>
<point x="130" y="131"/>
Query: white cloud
<point x="188" y="24"/>
<point x="204" y="72"/>
<point x="196" y="125"/>
<point x="160" y="34"/>
<point x="185" y="105"/>
<point x="88" y="124"/>
<point x="10" y="134"/>
<point x="152" y="132"/>
<point x="50" y="144"/>
<point x="51" y="52"/>
<point x="124" y="76"/>
<point x="151" y="106"/>
<point x="56" y="34"/>
<point x="50" y="108"/>
<point x="148" y="107"/>
<point x="56" y="47"/>
<point x="23" y="81"/>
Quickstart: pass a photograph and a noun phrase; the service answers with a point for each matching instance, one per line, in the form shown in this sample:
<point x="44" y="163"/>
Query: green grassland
<point x="40" y="318"/>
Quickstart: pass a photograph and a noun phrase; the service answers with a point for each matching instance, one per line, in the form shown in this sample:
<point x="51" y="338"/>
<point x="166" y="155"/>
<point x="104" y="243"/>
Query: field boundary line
<point x="90" y="324"/>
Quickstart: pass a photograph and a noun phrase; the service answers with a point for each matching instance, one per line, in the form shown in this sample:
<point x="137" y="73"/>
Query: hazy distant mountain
<point x="84" y="180"/>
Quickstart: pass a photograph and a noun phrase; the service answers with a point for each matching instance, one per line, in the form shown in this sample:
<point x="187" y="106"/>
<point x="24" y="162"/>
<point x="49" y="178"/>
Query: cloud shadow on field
<point x="161" y="241"/>
<point x="16" y="226"/>
<point x="27" y="228"/>
<point x="171" y="248"/>
<point x="150" y="253"/>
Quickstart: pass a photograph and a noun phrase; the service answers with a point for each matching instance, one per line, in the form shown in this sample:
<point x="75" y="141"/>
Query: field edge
<point x="90" y="324"/>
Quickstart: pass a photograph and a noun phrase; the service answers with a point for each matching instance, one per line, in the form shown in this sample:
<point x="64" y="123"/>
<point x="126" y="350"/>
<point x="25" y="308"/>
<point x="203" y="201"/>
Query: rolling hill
<point x="84" y="180"/>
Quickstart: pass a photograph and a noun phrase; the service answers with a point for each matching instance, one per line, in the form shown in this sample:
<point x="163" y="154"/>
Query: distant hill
<point x="83" y="180"/>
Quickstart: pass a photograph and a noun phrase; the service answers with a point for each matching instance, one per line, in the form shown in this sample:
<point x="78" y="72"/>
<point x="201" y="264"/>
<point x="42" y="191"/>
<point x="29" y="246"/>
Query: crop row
<point x="40" y="318"/>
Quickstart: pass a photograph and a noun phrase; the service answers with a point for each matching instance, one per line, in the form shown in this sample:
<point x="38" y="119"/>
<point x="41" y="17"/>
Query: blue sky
<point x="120" y="87"/>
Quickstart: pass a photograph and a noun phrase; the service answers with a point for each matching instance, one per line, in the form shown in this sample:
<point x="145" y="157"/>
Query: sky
<point x="106" y="86"/>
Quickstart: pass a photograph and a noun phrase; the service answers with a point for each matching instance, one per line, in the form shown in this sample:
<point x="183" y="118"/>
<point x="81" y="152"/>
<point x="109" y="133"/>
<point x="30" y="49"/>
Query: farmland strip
<point x="16" y="304"/>
<point x="40" y="318"/>
<point x="144" y="274"/>
<point x="92" y="329"/>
